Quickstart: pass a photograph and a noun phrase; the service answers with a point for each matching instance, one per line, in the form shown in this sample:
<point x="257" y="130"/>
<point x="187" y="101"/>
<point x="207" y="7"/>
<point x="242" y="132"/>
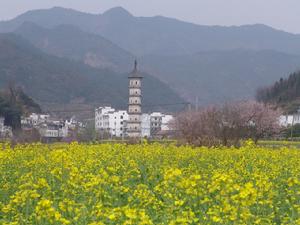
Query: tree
<point x="13" y="104"/>
<point x="228" y="124"/>
<point x="88" y="133"/>
<point x="284" y="93"/>
<point x="263" y="120"/>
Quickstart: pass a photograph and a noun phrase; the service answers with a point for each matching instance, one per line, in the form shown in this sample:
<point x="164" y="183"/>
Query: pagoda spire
<point x="135" y="65"/>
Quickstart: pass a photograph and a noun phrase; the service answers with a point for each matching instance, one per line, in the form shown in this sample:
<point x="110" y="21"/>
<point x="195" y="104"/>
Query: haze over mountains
<point x="70" y="42"/>
<point x="51" y="79"/>
<point x="161" y="35"/>
<point x="212" y="63"/>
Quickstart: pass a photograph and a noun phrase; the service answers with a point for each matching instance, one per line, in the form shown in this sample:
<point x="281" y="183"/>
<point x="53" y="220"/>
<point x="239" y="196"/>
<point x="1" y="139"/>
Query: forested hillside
<point x="49" y="79"/>
<point x="70" y="42"/>
<point x="14" y="103"/>
<point x="220" y="76"/>
<point x="284" y="93"/>
<point x="210" y="63"/>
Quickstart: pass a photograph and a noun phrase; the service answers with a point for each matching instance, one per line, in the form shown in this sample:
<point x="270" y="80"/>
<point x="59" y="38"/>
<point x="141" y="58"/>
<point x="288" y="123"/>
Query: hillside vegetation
<point x="14" y="103"/>
<point x="210" y="63"/>
<point x="221" y="76"/>
<point x="285" y="93"/>
<point x="70" y="42"/>
<point x="50" y="79"/>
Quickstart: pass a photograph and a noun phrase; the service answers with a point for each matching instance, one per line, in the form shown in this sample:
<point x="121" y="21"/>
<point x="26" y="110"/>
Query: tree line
<point x="282" y="93"/>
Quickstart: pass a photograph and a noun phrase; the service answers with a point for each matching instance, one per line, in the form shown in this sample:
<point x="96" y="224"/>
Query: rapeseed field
<point x="148" y="184"/>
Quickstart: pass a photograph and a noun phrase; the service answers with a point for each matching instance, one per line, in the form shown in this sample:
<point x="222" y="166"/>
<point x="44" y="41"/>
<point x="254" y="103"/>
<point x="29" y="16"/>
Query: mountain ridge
<point x="220" y="76"/>
<point x="162" y="35"/>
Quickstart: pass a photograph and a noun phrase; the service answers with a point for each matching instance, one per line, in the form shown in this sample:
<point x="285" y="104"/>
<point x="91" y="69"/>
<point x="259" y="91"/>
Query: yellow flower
<point x="131" y="213"/>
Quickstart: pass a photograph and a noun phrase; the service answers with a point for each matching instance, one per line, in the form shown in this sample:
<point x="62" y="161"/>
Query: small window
<point x="121" y="117"/>
<point x="136" y="82"/>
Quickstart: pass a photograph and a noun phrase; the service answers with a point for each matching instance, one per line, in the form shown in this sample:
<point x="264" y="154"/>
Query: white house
<point x="5" y="131"/>
<point x="2" y="123"/>
<point x="49" y="128"/>
<point x="165" y="122"/>
<point x="290" y="120"/>
<point x="34" y="120"/>
<point x="154" y="123"/>
<point x="72" y="123"/>
<point x="53" y="130"/>
<point x="109" y="120"/>
<point x="159" y="122"/>
<point x="145" y="125"/>
<point x="114" y="122"/>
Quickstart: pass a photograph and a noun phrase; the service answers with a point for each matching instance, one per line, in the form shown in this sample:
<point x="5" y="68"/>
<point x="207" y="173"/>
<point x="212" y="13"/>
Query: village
<point x="109" y="123"/>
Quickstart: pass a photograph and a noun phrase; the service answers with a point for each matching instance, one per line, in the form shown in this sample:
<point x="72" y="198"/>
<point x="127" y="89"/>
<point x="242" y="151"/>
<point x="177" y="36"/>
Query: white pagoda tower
<point x="135" y="103"/>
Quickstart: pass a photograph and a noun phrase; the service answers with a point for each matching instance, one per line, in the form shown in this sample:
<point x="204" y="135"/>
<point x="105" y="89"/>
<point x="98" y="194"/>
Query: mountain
<point x="284" y="93"/>
<point x="50" y="79"/>
<point x="161" y="35"/>
<point x="211" y="63"/>
<point x="220" y="76"/>
<point x="70" y="42"/>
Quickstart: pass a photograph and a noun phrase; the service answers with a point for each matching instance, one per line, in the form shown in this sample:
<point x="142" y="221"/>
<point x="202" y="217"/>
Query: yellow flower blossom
<point x="145" y="184"/>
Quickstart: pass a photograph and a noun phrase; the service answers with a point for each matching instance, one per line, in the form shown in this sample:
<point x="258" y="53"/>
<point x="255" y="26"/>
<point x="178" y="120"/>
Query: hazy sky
<point x="282" y="14"/>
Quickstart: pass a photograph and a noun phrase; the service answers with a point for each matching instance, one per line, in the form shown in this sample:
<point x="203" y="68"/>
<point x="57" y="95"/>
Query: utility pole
<point x="197" y="103"/>
<point x="189" y="106"/>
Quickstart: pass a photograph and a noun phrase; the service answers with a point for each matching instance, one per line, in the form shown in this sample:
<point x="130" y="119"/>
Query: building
<point x="134" y="104"/>
<point x="159" y="123"/>
<point x="166" y="122"/>
<point x="53" y="131"/>
<point x="34" y="120"/>
<point x="145" y="125"/>
<point x="5" y="131"/>
<point x="74" y="124"/>
<point x="110" y="121"/>
<point x="155" y="123"/>
<point x="49" y="129"/>
<point x="290" y="120"/>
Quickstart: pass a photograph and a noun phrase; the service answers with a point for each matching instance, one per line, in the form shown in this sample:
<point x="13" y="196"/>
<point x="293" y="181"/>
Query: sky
<point x="280" y="14"/>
